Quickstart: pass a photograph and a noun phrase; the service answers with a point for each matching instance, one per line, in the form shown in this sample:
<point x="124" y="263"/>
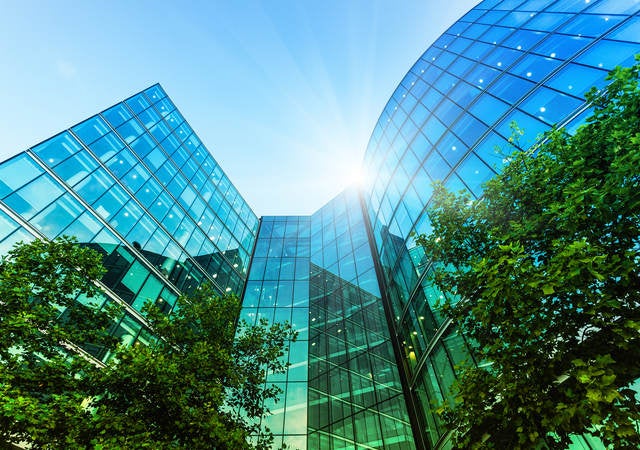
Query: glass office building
<point x="528" y="62"/>
<point x="135" y="183"/>
<point x="373" y="355"/>
<point x="342" y="389"/>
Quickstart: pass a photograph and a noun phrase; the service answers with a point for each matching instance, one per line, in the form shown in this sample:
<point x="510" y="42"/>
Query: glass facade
<point x="355" y="394"/>
<point x="373" y="354"/>
<point x="449" y="119"/>
<point x="342" y="390"/>
<point x="135" y="183"/>
<point x="277" y="290"/>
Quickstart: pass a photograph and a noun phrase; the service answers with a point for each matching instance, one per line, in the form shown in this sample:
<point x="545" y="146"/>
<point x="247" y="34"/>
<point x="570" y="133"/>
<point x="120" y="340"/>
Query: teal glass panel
<point x="136" y="177"/>
<point x="121" y="163"/>
<point x="91" y="130"/>
<point x="84" y="227"/>
<point x="107" y="146"/>
<point x="150" y="292"/>
<point x="130" y="130"/>
<point x="17" y="172"/>
<point x="7" y="225"/>
<point x="142" y="231"/>
<point x="11" y="238"/>
<point x="117" y="115"/>
<point x="94" y="185"/>
<point x="34" y="197"/>
<point x="149" y="117"/>
<point x="76" y="168"/>
<point x="55" y="218"/>
<point x="138" y="103"/>
<point x="57" y="149"/>
<point x="111" y="202"/>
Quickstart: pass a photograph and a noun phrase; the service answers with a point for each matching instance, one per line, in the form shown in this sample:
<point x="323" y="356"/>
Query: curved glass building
<point x="529" y="62"/>
<point x="137" y="184"/>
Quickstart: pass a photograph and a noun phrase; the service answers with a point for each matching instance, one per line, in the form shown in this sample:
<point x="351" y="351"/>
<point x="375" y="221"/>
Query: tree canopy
<point x="544" y="278"/>
<point x="199" y="385"/>
<point x="40" y="395"/>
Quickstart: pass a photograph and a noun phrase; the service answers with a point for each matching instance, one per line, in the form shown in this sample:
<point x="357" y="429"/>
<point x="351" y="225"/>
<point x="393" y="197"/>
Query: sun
<point x="357" y="178"/>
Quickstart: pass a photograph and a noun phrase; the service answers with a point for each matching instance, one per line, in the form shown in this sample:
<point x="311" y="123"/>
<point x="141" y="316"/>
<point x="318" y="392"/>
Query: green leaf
<point x="548" y="290"/>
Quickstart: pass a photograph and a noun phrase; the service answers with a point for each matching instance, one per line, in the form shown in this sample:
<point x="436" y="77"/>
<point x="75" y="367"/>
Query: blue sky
<point x="284" y="93"/>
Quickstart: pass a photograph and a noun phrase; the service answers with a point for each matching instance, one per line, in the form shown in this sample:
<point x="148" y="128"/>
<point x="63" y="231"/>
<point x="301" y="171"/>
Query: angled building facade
<point x="135" y="183"/>
<point x="373" y="355"/>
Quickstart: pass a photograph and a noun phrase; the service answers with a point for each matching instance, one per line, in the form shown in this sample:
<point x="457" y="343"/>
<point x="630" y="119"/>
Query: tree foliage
<point x="546" y="267"/>
<point x="40" y="395"/>
<point x="200" y="385"/>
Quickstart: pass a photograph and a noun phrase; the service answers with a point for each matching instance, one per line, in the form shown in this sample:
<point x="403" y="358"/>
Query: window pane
<point x="16" y="172"/>
<point x="56" y="149"/>
<point x="117" y="115"/>
<point x="57" y="216"/>
<point x="94" y="185"/>
<point x="34" y="197"/>
<point x="91" y="129"/>
<point x="76" y="167"/>
<point x="84" y="227"/>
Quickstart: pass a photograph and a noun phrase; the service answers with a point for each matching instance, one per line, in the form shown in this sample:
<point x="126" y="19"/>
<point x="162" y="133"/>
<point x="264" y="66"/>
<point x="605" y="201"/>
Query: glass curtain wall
<point x="355" y="395"/>
<point x="278" y="291"/>
<point x="343" y="388"/>
<point x="135" y="183"/>
<point x="528" y="62"/>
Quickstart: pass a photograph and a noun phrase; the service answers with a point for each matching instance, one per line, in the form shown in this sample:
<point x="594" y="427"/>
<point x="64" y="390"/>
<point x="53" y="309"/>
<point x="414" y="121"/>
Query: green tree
<point x="544" y="278"/>
<point x="40" y="320"/>
<point x="200" y="385"/>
